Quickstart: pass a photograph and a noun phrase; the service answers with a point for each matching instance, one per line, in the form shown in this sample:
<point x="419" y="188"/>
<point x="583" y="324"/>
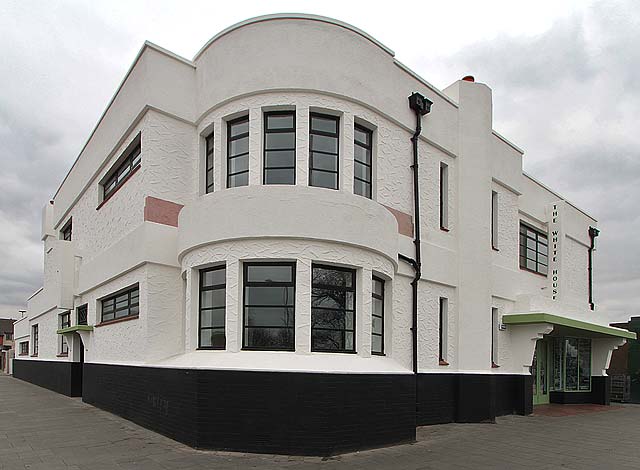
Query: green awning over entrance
<point x="539" y="317"/>
<point x="71" y="329"/>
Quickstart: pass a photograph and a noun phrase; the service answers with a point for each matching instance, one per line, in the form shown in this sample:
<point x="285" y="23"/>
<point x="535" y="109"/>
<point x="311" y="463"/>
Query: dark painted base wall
<point x="60" y="376"/>
<point x="600" y="394"/>
<point x="471" y="398"/>
<point x="269" y="412"/>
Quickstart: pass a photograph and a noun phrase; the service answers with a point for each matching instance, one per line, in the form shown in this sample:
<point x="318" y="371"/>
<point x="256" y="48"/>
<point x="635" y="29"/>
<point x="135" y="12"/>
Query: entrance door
<point x="540" y="373"/>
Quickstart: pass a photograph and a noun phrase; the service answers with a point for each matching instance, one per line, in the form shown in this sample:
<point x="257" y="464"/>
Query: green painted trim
<point x="71" y="329"/>
<point x="539" y="317"/>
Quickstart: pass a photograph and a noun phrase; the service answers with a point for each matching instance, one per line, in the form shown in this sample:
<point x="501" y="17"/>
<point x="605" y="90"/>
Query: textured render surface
<point x="576" y="259"/>
<point x="429" y="296"/>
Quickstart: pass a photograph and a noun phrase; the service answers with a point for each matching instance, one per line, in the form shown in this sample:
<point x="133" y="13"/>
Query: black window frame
<point x="338" y="288"/>
<point x="117" y="174"/>
<point x="34" y="338"/>
<point x="202" y="288"/>
<point x="443" y="328"/>
<point x="24" y="348"/>
<point x="130" y="304"/>
<point x="369" y="150"/>
<point x="540" y="235"/>
<point x="208" y="163"/>
<point x="65" y="322"/>
<point x="82" y="314"/>
<point x="246" y="283"/>
<point x="267" y="131"/>
<point x="66" y="231"/>
<point x="379" y="297"/>
<point x="230" y="140"/>
<point x="335" y="135"/>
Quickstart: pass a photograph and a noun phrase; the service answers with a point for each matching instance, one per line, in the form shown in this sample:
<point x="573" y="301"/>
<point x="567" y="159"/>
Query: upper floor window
<point x="212" y="308"/>
<point x="123" y="304"/>
<point x="494" y="220"/>
<point x="65" y="233"/>
<point x="269" y="306"/>
<point x="280" y="147"/>
<point x="34" y="339"/>
<point x="377" y="316"/>
<point x="238" y="152"/>
<point x="362" y="169"/>
<point x="323" y="151"/>
<point x="534" y="249"/>
<point x="444" y="196"/>
<point x="333" y="309"/>
<point x="81" y="314"/>
<point x="122" y="170"/>
<point x="208" y="143"/>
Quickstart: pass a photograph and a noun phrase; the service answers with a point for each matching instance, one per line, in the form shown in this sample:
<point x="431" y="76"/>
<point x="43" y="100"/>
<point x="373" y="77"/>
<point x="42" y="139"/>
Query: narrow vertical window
<point x="362" y="164"/>
<point x="444" y="196"/>
<point x="65" y="322"/>
<point x="280" y="147"/>
<point x="65" y="233"/>
<point x="81" y="314"/>
<point x="269" y="306"/>
<point x="209" y="163"/>
<point x="333" y="308"/>
<point x="377" y="316"/>
<point x="212" y="308"/>
<point x="34" y="339"/>
<point x="494" y="220"/>
<point x="238" y="152"/>
<point x="323" y="151"/>
<point x="442" y="330"/>
<point x="494" y="336"/>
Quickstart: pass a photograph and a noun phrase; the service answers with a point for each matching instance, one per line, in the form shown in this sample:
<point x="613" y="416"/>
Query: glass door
<point x="540" y="373"/>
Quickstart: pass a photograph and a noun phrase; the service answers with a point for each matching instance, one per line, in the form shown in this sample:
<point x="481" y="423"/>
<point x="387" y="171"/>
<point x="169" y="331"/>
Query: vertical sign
<point x="556" y="236"/>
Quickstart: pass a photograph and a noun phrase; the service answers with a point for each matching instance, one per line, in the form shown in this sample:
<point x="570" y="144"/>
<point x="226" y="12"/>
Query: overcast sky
<point x="565" y="77"/>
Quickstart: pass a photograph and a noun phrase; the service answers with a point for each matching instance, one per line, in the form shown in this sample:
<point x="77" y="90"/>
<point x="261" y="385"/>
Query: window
<point x="280" y="147"/>
<point x="8" y="336"/>
<point x="238" y="152"/>
<point x="571" y="364"/>
<point x="442" y="333"/>
<point x="377" y="316"/>
<point x="495" y="319"/>
<point x="362" y="139"/>
<point x="533" y="250"/>
<point x="65" y="322"/>
<point x="24" y="348"/>
<point x="333" y="322"/>
<point x="323" y="151"/>
<point x="269" y="306"/>
<point x="119" y="174"/>
<point x="208" y="142"/>
<point x="34" y="339"/>
<point x="121" y="305"/>
<point x="81" y="315"/>
<point x="212" y="308"/>
<point x="444" y="196"/>
<point x="65" y="233"/>
<point x="494" y="220"/>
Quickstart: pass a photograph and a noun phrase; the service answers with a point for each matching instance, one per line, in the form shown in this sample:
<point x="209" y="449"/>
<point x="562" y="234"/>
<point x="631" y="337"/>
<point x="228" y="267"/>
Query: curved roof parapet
<point x="293" y="16"/>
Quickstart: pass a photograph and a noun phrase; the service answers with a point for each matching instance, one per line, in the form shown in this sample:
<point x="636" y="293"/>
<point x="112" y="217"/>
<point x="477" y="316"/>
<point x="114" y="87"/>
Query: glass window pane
<point x="279" y="176"/>
<point x="279" y="121"/>
<point x="212" y="278"/>
<point x="362" y="171"/>
<point x="531" y="243"/>
<point x="238" y="128"/>
<point x="269" y="316"/>
<point x="542" y="269"/>
<point x="330" y="319"/>
<point x="212" y="318"/>
<point x="269" y="338"/>
<point x="241" y="179"/>
<point x="281" y="140"/>
<point x="212" y="338"/>
<point x="324" y="124"/>
<point x="328" y="298"/>
<point x="376" y="344"/>
<point x="326" y="340"/>
<point x="361" y="188"/>
<point x="269" y="296"/>
<point x="238" y="164"/>
<point x="376" y="325"/>
<point x="362" y="136"/>
<point x="321" y="161"/>
<point x="280" y="158"/>
<point x="362" y="155"/>
<point x="571" y="364"/>
<point x="212" y="298"/>
<point x="135" y="310"/>
<point x="542" y="259"/>
<point x="531" y="254"/>
<point x="324" y="143"/>
<point x="324" y="180"/>
<point x="584" y="352"/>
<point x="377" y="286"/>
<point x="269" y="273"/>
<point x="239" y="146"/>
<point x="332" y="277"/>
<point x="543" y="249"/>
<point x="348" y="341"/>
<point x="377" y="307"/>
<point x="531" y="265"/>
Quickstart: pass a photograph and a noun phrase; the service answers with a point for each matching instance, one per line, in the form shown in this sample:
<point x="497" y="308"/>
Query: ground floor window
<point x="123" y="304"/>
<point x="377" y="316"/>
<point x="65" y="322"/>
<point x="24" y="348"/>
<point x="34" y="339"/>
<point x="571" y="363"/>
<point x="269" y="306"/>
<point x="333" y="322"/>
<point x="212" y="308"/>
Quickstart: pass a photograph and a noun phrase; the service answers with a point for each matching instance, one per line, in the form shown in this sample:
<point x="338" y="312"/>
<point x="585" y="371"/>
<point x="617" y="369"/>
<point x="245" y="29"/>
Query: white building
<point x="230" y="259"/>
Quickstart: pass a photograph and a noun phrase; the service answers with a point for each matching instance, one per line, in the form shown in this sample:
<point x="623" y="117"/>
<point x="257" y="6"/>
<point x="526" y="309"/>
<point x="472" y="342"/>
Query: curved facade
<point x="225" y="262"/>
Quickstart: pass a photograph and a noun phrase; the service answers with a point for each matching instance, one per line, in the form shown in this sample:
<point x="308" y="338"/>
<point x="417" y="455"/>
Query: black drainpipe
<point x="593" y="233"/>
<point x="421" y="106"/>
